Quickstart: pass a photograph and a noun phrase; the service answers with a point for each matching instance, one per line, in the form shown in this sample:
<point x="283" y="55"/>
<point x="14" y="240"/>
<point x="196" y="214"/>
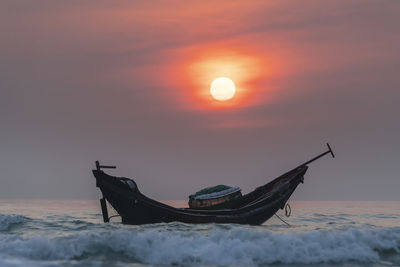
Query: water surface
<point x="71" y="233"/>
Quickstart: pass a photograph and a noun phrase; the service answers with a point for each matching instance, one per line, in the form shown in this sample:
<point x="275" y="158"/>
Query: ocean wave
<point x="9" y="220"/>
<point x="236" y="246"/>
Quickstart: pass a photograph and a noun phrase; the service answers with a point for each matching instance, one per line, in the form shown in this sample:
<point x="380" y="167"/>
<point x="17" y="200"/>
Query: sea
<point x="72" y="233"/>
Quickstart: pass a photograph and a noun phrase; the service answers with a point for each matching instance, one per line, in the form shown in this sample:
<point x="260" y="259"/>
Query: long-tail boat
<point x="231" y="206"/>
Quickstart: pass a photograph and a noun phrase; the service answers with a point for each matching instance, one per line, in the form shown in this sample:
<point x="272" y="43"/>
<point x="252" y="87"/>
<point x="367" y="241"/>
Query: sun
<point x="222" y="89"/>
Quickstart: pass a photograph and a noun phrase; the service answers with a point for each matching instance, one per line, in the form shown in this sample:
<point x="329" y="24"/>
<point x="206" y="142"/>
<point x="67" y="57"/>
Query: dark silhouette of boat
<point x="253" y="208"/>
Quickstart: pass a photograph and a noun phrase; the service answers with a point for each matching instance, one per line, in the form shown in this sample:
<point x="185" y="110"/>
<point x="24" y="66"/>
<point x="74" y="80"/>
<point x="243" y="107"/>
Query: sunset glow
<point x="222" y="89"/>
<point x="200" y="66"/>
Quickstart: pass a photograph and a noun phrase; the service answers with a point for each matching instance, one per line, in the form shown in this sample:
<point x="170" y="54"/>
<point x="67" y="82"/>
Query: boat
<point x="253" y="208"/>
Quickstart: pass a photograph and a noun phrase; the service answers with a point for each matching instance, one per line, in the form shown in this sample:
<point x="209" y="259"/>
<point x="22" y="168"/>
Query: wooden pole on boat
<point x="103" y="205"/>
<point x="103" y="202"/>
<point x="98" y="166"/>
<point x="319" y="156"/>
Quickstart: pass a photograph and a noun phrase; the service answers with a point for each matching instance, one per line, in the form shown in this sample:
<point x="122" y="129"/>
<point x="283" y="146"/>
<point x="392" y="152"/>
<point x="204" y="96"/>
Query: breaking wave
<point x="233" y="246"/>
<point x="9" y="220"/>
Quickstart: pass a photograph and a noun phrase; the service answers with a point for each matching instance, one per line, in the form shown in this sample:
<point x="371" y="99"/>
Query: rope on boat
<point x="117" y="215"/>
<point x="288" y="212"/>
<point x="282" y="220"/>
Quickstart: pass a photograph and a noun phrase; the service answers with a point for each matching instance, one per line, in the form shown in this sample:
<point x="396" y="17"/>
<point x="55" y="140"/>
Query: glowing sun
<point x="222" y="89"/>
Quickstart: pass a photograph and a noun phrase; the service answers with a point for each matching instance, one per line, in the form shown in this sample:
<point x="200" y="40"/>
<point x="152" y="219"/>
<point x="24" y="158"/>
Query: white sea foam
<point x="237" y="246"/>
<point x="8" y="220"/>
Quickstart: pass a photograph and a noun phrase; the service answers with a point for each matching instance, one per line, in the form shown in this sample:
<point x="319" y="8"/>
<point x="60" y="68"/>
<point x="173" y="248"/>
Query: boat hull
<point x="254" y="208"/>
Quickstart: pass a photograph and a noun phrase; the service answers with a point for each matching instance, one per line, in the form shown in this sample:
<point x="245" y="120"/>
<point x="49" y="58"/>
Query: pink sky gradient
<point x="127" y="82"/>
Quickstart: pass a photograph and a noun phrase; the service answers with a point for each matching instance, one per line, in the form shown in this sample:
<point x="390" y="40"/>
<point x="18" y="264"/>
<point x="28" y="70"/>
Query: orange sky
<point x="199" y="66"/>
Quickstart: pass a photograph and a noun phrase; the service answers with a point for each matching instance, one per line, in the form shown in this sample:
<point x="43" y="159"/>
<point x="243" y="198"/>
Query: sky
<point x="127" y="83"/>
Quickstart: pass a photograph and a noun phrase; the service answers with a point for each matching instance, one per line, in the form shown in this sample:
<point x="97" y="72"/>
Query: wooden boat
<point x="253" y="208"/>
